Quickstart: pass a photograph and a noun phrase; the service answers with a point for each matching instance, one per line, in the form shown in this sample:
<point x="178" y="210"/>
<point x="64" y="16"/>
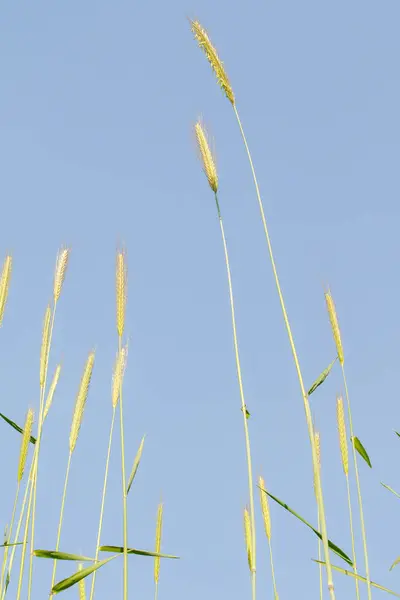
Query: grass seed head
<point x="44" y="351"/>
<point x="121" y="290"/>
<point x="81" y="586"/>
<point x="335" y="326"/>
<point x="60" y="271"/>
<point x="342" y="435"/>
<point x="158" y="542"/>
<point x="248" y="538"/>
<point x="265" y="508"/>
<point x="118" y="375"/>
<point x="201" y="36"/>
<point x="26" y="437"/>
<point x="5" y="278"/>
<point x="81" y="401"/>
<point x="207" y="157"/>
<point x="52" y="389"/>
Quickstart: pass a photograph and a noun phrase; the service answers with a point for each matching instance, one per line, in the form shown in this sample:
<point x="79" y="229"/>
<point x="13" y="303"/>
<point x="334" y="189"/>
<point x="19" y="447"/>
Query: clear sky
<point x="97" y="104"/>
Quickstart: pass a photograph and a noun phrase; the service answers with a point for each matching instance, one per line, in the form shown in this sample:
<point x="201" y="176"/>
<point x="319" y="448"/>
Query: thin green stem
<point x="53" y="578"/>
<point x="125" y="517"/>
<point x="244" y="408"/>
<point x="353" y="547"/>
<point x="360" y="505"/>
<point x="103" y="498"/>
<point x="9" y="534"/>
<point x="319" y="495"/>
<point x="276" y="597"/>
<point x="156" y="591"/>
<point x="321" y="589"/>
<point x="38" y="443"/>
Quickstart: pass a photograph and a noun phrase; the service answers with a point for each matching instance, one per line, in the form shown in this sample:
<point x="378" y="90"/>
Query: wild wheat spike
<point x="216" y="63"/>
<point x="342" y="435"/>
<point x="265" y="508"/>
<point x="121" y="291"/>
<point x="44" y="351"/>
<point x="5" y="284"/>
<point x="26" y="438"/>
<point x="80" y="402"/>
<point x="158" y="542"/>
<point x="61" y="269"/>
<point x="52" y="389"/>
<point x="118" y="375"/>
<point x="207" y="156"/>
<point x="247" y="538"/>
<point x="317" y="438"/>
<point x="335" y="326"/>
<point x="81" y="586"/>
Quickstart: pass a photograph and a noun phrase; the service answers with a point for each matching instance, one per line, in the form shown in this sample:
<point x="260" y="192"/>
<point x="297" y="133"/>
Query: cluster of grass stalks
<point x="20" y="533"/>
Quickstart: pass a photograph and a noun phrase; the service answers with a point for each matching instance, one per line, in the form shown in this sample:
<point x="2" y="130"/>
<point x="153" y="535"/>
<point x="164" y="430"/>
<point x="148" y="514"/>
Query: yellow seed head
<point x="158" y="542"/>
<point x="216" y="63"/>
<point x="335" y="326"/>
<point x="26" y="437"/>
<point x="248" y="538"/>
<point x="81" y="586"/>
<point x="4" y="285"/>
<point x="61" y="269"/>
<point x="44" y="351"/>
<point x="121" y="290"/>
<point x="341" y="421"/>
<point x="118" y="375"/>
<point x="265" y="508"/>
<point x="80" y="402"/>
<point x="207" y="156"/>
<point x="52" y="389"/>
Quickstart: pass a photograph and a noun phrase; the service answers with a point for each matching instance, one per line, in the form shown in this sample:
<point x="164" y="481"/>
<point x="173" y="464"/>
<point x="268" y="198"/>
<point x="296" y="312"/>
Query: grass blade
<point x="135" y="465"/>
<point x="55" y="555"/>
<point x="390" y="489"/>
<point x="320" y="380"/>
<point x="78" y="576"/>
<point x="120" y="550"/>
<point x="362" y="451"/>
<point x="332" y="546"/>
<point x="16" y="427"/>
<point x="360" y="578"/>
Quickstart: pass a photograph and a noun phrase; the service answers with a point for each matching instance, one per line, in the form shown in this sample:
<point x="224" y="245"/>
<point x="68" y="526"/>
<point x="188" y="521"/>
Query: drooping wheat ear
<point x="248" y="538"/>
<point x="81" y="585"/>
<point x="26" y="437"/>
<point x="158" y="542"/>
<point x="52" y="389"/>
<point x="81" y="401"/>
<point x="335" y="326"/>
<point x="121" y="290"/>
<point x="265" y="508"/>
<point x="207" y="157"/>
<point x="118" y="375"/>
<point x="61" y="269"/>
<point x="5" y="284"/>
<point x="342" y="434"/>
<point x="216" y="63"/>
<point x="44" y="351"/>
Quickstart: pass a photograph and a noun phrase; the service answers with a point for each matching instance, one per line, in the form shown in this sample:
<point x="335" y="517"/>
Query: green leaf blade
<point x="362" y="451"/>
<point x="359" y="577"/>
<point x="16" y="427"/>
<point x="78" y="576"/>
<point x="120" y="550"/>
<point x="135" y="465"/>
<point x="55" y="555"/>
<point x="320" y="380"/>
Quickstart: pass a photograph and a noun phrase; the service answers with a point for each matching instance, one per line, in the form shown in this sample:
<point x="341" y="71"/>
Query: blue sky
<point x="96" y="113"/>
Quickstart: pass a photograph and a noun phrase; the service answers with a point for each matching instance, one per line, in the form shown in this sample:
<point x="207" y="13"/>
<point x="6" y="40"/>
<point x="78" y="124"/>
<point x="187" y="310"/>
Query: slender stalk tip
<point x="204" y="42"/>
<point x="5" y="278"/>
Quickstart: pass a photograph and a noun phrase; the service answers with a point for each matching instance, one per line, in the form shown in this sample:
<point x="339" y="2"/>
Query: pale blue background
<point x="97" y="104"/>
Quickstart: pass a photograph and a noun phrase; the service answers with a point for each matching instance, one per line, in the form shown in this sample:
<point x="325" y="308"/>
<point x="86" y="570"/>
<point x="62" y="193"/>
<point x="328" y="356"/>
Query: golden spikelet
<point x="121" y="290"/>
<point x="317" y="439"/>
<point x="248" y="538"/>
<point x="26" y="437"/>
<point x="158" y="542"/>
<point x="52" y="389"/>
<point x="44" y="351"/>
<point x="5" y="284"/>
<point x="118" y="375"/>
<point x="342" y="434"/>
<point x="207" y="156"/>
<point x="265" y="508"/>
<point x="81" y="401"/>
<point x="335" y="326"/>
<point x="61" y="269"/>
<point x="81" y="586"/>
<point x="216" y="63"/>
